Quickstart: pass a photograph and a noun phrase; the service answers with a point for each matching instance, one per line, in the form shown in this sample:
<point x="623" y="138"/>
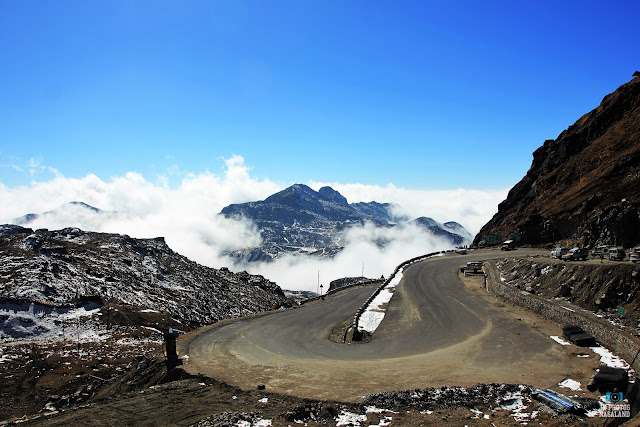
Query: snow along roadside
<point x="367" y="320"/>
<point x="370" y="319"/>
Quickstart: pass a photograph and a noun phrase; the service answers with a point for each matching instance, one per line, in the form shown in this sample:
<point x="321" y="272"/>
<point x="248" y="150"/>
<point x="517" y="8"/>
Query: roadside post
<point x="170" y="348"/>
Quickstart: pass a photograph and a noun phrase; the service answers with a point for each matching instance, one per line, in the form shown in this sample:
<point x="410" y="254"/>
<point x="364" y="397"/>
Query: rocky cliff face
<point x="584" y="185"/>
<point x="58" y="267"/>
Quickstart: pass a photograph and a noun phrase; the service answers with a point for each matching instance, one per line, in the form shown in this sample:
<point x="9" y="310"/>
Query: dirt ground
<point x="206" y="402"/>
<point x="582" y="367"/>
<point x="49" y="385"/>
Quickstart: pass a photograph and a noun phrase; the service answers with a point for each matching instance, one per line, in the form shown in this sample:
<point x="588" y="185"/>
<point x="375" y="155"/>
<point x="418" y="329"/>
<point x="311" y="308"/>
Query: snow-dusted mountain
<point x="451" y="230"/>
<point x="300" y="220"/>
<point x="295" y="221"/>
<point x="72" y="214"/>
<point x="58" y="267"/>
<point x="301" y="205"/>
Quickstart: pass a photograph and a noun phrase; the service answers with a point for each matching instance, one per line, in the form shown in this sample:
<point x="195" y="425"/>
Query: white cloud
<point x="36" y="167"/>
<point x="360" y="254"/>
<point x="187" y="216"/>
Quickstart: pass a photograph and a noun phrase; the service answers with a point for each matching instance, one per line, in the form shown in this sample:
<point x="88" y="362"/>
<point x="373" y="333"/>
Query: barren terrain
<point x="491" y="351"/>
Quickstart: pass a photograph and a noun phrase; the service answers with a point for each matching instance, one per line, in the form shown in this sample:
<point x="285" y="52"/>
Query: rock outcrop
<point x="58" y="267"/>
<point x="583" y="186"/>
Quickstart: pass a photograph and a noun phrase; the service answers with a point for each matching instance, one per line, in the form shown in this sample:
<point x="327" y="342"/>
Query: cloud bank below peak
<point x="186" y="214"/>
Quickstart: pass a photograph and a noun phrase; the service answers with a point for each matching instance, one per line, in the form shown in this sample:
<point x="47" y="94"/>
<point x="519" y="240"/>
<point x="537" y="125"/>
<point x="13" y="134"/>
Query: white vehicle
<point x="617" y="254"/>
<point x="461" y="251"/>
<point x="472" y="266"/>
<point x="634" y="255"/>
<point x="558" y="252"/>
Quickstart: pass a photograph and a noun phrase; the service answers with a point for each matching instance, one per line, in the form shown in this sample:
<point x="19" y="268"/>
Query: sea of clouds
<point x="186" y="214"/>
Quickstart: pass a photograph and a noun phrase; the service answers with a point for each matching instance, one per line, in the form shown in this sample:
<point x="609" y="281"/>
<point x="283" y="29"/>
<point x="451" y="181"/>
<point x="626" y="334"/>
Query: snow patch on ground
<point x="256" y="423"/>
<point x="373" y="315"/>
<point x="609" y="359"/>
<point x="570" y="384"/>
<point x="374" y="410"/>
<point x="347" y="418"/>
<point x="479" y="414"/>
<point x="559" y="340"/>
<point x="33" y="320"/>
<point x="545" y="270"/>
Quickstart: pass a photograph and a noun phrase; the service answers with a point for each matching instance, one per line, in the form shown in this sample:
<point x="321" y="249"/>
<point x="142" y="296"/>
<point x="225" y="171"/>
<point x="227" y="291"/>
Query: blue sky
<point x="423" y="95"/>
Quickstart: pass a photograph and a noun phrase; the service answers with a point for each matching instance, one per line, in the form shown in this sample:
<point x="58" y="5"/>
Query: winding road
<point x="436" y="332"/>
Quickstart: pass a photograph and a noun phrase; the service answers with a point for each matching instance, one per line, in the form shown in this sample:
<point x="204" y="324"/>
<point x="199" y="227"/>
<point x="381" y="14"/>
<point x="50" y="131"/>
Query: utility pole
<point x="362" y="273"/>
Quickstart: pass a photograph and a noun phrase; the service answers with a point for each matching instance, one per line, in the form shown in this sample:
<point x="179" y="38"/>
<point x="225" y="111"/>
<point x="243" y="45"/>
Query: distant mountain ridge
<point x="297" y="220"/>
<point x="302" y="205"/>
<point x="583" y="186"/>
<point x="300" y="220"/>
<point x="78" y="206"/>
<point x="450" y="230"/>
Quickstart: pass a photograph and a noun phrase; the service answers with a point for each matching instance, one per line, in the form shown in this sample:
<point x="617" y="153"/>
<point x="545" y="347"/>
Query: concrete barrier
<point x="353" y="285"/>
<point x="352" y="333"/>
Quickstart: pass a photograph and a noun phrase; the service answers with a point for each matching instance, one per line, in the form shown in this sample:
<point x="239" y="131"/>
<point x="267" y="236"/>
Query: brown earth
<point x="56" y="373"/>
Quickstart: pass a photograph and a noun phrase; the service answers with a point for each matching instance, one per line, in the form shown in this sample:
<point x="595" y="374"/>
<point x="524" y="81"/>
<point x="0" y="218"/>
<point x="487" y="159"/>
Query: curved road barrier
<point x="354" y="332"/>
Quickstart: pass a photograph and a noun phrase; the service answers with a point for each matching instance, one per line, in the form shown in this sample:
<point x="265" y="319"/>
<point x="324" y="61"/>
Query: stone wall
<point x="619" y="342"/>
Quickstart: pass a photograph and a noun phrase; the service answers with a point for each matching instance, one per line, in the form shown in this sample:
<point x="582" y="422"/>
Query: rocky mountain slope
<point x="598" y="286"/>
<point x="299" y="220"/>
<point x="584" y="185"/>
<point x="58" y="267"/>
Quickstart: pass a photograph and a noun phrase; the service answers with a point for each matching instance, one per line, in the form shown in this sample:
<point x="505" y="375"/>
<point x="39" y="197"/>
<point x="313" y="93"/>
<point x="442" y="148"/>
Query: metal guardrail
<point x="356" y="319"/>
<point x="342" y="288"/>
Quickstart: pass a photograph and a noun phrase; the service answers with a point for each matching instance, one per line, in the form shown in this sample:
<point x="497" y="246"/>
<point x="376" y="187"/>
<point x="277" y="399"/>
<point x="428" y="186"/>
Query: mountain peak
<point x="31" y="217"/>
<point x="294" y="194"/>
<point x="332" y="195"/>
<point x="82" y="205"/>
